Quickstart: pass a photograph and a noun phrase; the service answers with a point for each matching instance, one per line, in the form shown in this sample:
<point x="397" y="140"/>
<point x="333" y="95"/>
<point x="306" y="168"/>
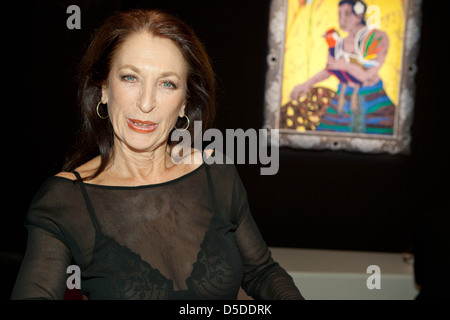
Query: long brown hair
<point x="96" y="135"/>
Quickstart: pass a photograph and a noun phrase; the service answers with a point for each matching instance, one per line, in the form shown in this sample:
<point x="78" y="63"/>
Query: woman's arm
<point x="263" y="278"/>
<point x="42" y="274"/>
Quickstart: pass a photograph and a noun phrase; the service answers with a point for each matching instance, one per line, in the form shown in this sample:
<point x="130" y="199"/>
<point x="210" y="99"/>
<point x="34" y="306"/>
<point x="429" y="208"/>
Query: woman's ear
<point x="104" y="94"/>
<point x="182" y="110"/>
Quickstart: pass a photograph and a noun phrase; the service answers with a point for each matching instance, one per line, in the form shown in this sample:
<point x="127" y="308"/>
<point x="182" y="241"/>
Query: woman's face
<point x="145" y="91"/>
<point x="347" y="19"/>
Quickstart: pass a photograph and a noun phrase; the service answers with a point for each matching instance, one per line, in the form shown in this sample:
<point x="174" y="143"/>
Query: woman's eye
<point x="129" y="78"/>
<point x="168" y="85"/>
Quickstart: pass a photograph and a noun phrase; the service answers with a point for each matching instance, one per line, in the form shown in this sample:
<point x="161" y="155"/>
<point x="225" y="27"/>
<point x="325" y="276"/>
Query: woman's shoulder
<point x="66" y="175"/>
<point x="55" y="194"/>
<point x="221" y="166"/>
<point x="55" y="204"/>
<point x="84" y="170"/>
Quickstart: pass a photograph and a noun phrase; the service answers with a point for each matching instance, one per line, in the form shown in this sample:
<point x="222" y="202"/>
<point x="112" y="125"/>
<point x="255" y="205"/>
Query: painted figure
<point x="361" y="104"/>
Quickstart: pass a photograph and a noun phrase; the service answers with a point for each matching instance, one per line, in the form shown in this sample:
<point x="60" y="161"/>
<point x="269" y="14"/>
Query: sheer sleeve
<point x="42" y="274"/>
<point x="264" y="278"/>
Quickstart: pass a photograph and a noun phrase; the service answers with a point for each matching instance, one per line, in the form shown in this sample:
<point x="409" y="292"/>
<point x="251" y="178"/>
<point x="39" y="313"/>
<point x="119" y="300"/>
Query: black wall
<point x="318" y="199"/>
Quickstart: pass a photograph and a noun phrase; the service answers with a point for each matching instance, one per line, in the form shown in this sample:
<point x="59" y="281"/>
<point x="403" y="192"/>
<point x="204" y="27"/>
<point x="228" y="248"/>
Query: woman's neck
<point x="139" y="167"/>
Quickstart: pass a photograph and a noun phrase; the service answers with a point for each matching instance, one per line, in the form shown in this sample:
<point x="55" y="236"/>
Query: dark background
<point x="319" y="199"/>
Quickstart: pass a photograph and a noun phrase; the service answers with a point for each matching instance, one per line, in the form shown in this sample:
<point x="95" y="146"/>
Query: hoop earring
<point x="98" y="113"/>
<point x="184" y="129"/>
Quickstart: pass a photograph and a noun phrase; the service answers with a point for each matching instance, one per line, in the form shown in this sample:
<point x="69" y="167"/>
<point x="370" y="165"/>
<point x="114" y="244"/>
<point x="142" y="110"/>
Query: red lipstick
<point x="141" y="126"/>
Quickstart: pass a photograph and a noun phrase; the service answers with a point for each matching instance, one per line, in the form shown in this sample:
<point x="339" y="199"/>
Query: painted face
<point x="347" y="19"/>
<point x="145" y="91"/>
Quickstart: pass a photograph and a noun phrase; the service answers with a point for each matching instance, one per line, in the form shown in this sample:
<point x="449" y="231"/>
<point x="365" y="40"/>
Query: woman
<point x="139" y="225"/>
<point x="361" y="104"/>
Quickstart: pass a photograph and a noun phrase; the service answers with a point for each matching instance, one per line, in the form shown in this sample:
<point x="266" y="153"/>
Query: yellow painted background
<point x="306" y="50"/>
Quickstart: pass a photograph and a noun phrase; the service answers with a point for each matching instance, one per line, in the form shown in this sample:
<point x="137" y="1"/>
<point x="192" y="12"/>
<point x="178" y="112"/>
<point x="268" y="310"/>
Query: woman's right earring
<point x="98" y="113"/>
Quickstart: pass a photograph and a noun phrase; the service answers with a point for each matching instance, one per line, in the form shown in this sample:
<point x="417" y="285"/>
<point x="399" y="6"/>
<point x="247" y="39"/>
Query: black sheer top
<point x="189" y="238"/>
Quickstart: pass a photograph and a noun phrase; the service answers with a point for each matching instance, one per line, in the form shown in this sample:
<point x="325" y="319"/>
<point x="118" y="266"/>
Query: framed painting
<point x="341" y="73"/>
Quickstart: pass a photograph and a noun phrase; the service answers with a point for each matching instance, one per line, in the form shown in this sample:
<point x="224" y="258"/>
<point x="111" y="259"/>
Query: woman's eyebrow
<point x="129" y="66"/>
<point x="137" y="70"/>
<point x="170" y="73"/>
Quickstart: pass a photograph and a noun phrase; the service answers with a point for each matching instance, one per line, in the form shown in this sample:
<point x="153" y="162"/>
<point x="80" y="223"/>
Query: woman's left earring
<point x="187" y="125"/>
<point x="98" y="113"/>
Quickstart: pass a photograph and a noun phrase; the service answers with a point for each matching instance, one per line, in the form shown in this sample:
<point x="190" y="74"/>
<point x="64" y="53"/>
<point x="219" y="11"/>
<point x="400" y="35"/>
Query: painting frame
<point x="396" y="143"/>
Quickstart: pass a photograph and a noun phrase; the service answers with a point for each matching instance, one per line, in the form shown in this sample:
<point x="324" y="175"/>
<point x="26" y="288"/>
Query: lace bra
<point x="117" y="272"/>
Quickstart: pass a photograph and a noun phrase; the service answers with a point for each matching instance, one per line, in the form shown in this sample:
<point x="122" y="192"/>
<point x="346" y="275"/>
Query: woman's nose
<point x="147" y="101"/>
